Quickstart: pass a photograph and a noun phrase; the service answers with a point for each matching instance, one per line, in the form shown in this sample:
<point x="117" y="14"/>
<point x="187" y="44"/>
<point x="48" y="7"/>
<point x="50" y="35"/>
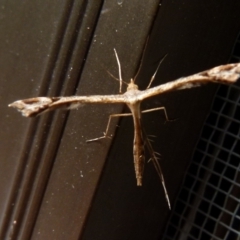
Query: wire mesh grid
<point x="208" y="204"/>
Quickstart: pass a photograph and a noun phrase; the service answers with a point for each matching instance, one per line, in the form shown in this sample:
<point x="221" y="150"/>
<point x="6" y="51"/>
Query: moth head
<point x="132" y="85"/>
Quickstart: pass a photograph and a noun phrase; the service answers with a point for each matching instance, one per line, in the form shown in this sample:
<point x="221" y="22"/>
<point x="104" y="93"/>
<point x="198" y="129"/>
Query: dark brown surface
<point x="48" y="173"/>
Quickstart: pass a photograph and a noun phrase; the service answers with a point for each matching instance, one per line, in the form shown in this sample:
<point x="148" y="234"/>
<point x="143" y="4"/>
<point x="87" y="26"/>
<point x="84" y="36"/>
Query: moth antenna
<point x="115" y="77"/>
<point x="141" y="61"/>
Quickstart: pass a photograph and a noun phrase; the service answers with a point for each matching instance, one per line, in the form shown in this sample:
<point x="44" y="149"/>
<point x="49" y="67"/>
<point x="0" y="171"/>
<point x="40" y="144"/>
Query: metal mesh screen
<point x="208" y="204"/>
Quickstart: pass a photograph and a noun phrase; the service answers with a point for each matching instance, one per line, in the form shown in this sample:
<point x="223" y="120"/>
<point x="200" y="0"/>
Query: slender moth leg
<point x="157" y="109"/>
<point x="153" y="76"/>
<point x="119" y="71"/>
<point x="158" y="168"/>
<point x="105" y="134"/>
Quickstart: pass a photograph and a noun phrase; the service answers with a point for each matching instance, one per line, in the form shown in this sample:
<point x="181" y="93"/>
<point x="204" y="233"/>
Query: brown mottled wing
<point x="34" y="106"/>
<point x="225" y="74"/>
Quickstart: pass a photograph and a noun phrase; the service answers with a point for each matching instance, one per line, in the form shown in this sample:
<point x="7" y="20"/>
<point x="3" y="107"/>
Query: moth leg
<point x="153" y="76"/>
<point x="158" y="168"/>
<point x="157" y="109"/>
<point x="119" y="71"/>
<point x="105" y="134"/>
